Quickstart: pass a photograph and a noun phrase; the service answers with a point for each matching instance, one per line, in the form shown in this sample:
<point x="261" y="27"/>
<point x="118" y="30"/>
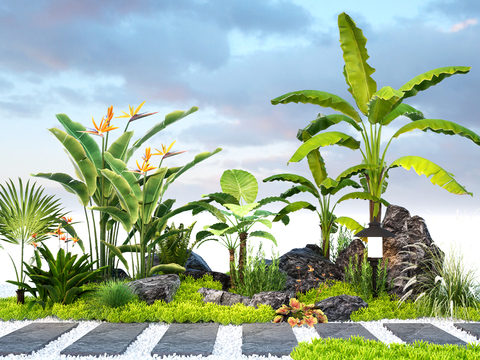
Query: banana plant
<point x="142" y="209"/>
<point x="380" y="107"/>
<point x="92" y="169"/>
<point x="238" y="185"/>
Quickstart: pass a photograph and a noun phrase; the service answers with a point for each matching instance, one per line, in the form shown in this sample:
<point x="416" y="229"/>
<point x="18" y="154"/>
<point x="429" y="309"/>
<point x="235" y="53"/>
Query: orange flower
<point x="144" y="168"/>
<point x="75" y="240"/>
<point x="67" y="219"/>
<point x="34" y="245"/>
<point x="57" y="232"/>
<point x="133" y="114"/>
<point x="310" y="268"/>
<point x="148" y="155"/>
<point x="104" y="126"/>
<point x="34" y="235"/>
<point x="63" y="237"/>
<point x="166" y="152"/>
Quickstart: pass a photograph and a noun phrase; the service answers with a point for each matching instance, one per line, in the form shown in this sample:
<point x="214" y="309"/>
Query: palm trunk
<point x="242" y="255"/>
<point x="325" y="244"/>
<point x="232" y="268"/>
<point x="379" y="216"/>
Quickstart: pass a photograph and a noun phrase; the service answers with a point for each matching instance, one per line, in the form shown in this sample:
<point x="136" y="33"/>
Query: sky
<point x="230" y="58"/>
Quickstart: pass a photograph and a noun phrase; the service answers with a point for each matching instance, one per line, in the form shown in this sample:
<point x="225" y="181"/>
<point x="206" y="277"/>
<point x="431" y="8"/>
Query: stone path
<point x="199" y="339"/>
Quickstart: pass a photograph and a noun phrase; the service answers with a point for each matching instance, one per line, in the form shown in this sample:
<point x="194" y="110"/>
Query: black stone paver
<point x="268" y="338"/>
<point x="32" y="337"/>
<point x="471" y="328"/>
<point x="411" y="332"/>
<point x="187" y="339"/>
<point x="343" y="331"/>
<point x="107" y="338"/>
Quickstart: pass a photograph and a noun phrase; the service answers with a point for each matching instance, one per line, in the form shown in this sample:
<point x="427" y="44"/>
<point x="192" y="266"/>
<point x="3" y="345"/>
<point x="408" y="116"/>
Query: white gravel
<point x="227" y="346"/>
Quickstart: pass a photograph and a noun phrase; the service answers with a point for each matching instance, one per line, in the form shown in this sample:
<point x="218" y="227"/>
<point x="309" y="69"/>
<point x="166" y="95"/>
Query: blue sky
<point x="230" y="58"/>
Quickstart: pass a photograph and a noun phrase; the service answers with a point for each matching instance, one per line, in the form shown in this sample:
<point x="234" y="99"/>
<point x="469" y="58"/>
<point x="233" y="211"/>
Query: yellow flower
<point x="104" y="124"/>
<point x="166" y="152"/>
<point x="147" y="154"/>
<point x="133" y="113"/>
<point x="144" y="168"/>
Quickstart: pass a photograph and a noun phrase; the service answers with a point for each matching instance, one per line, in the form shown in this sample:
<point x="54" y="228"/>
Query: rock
<point x="194" y="262"/>
<point x="217" y="276"/>
<point x="273" y="298"/>
<point x="339" y="308"/>
<point x="120" y="274"/>
<point x="399" y="250"/>
<point x="161" y="287"/>
<point x="356" y="247"/>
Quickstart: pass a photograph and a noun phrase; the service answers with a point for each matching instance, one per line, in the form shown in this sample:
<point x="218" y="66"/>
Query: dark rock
<point x="161" y="287"/>
<point x="217" y="276"/>
<point x="356" y="247"/>
<point x="220" y="297"/>
<point x="339" y="308"/>
<point x="120" y="274"/>
<point x="273" y="298"/>
<point x="194" y="262"/>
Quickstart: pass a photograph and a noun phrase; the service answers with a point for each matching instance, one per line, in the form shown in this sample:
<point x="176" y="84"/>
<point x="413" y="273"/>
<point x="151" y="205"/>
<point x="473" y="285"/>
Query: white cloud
<point x="462" y="25"/>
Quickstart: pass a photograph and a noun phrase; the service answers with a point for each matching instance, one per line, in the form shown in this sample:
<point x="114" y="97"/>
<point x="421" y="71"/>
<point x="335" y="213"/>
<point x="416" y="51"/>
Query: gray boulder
<point x="339" y="308"/>
<point x="161" y="287"/>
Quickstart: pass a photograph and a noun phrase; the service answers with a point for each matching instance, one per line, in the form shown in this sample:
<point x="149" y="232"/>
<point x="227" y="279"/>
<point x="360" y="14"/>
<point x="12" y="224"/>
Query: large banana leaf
<point x="324" y="139"/>
<point x="316" y="164"/>
<point x="119" y="147"/>
<point x="298" y="189"/>
<point x="242" y="210"/>
<point x="351" y="224"/>
<point x="405" y="110"/>
<point x="78" y="171"/>
<point x="355" y="56"/>
<point x="169" y="120"/>
<point x="323" y="122"/>
<point x="240" y="184"/>
<point x="382" y="103"/>
<point x="89" y="144"/>
<point x="295" y="206"/>
<point x="120" y="168"/>
<point x="296" y="179"/>
<point x="222" y="198"/>
<point x="125" y="194"/>
<point x="362" y="196"/>
<point x="321" y="98"/>
<point x="78" y="154"/>
<point x="331" y="187"/>
<point x="431" y="78"/>
<point x="269" y="200"/>
<point x="426" y="167"/>
<point x="119" y="215"/>
<point x="354" y="170"/>
<point x="263" y="234"/>
<point x="152" y="191"/>
<point x="71" y="185"/>
<point x="127" y="248"/>
<point x="440" y="127"/>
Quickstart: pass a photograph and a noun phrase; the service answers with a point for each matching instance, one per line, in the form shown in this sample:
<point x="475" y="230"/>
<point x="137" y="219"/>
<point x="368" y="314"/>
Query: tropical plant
<point x="380" y="107"/>
<point x="64" y="280"/>
<point x="174" y="248"/>
<point x="105" y="181"/>
<point x="237" y="186"/>
<point x="257" y="278"/>
<point x="344" y="238"/>
<point x="26" y="217"/>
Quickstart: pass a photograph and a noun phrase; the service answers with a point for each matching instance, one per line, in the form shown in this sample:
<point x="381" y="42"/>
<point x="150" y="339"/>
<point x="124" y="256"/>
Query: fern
<point x="173" y="249"/>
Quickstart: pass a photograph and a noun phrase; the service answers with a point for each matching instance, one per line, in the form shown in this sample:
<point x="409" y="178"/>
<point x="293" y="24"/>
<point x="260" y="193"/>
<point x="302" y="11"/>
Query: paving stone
<point x="32" y="337"/>
<point x="187" y="339"/>
<point x="115" y="339"/>
<point x="268" y="338"/>
<point x="343" y="331"/>
<point x="409" y="332"/>
<point x="470" y="328"/>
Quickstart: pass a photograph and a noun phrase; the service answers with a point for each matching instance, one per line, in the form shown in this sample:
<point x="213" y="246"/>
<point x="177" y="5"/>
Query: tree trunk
<point x="242" y="255"/>
<point x="379" y="217"/>
<point x="232" y="268"/>
<point x="325" y="244"/>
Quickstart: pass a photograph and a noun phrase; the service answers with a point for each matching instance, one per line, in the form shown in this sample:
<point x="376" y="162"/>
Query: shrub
<point x="113" y="294"/>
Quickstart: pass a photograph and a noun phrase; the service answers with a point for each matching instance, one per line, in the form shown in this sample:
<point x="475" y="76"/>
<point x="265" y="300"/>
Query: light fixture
<point x="375" y="233"/>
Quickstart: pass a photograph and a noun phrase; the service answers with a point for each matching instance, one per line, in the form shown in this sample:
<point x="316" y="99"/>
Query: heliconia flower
<point x="63" y="237"/>
<point x="34" y="235"/>
<point x="166" y="152"/>
<point x="34" y="245"/>
<point x="57" y="232"/>
<point x="75" y="240"/>
<point x="147" y="154"/>
<point x="104" y="125"/>
<point x="144" y="168"/>
<point x="133" y="114"/>
<point x="67" y="219"/>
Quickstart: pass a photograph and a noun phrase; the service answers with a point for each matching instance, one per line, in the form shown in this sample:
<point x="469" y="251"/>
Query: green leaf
<point x="169" y="120"/>
<point x="382" y="103"/>
<point x="89" y="144"/>
<point x="350" y="224"/>
<point x="263" y="234"/>
<point x="431" y="78"/>
<point x="269" y="200"/>
<point x="440" y="127"/>
<point x="359" y="195"/>
<point x="402" y="110"/>
<point x="324" y="139"/>
<point x="75" y="149"/>
<point x="128" y="248"/>
<point x="119" y="215"/>
<point x="213" y="210"/>
<point x="295" y="206"/>
<point x="354" y="170"/>
<point x="117" y="253"/>
<point x="222" y="198"/>
<point x="296" y="179"/>
<point x="152" y="191"/>
<point x="265" y="222"/>
<point x="118" y="149"/>
<point x="316" y="163"/>
<point x="241" y="210"/>
<point x="321" y="98"/>
<point x="298" y="189"/>
<point x="125" y="194"/>
<point x="120" y="168"/>
<point x="355" y="56"/>
<point x="426" y="167"/>
<point x="240" y="184"/>
<point x="71" y="185"/>
<point x="323" y="122"/>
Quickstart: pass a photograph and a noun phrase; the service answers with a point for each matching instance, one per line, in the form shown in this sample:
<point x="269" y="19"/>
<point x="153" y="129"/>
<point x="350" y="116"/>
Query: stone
<point x="217" y="276"/>
<point x="356" y="247"/>
<point x="400" y="252"/>
<point x="194" y="262"/>
<point x="120" y="274"/>
<point x="161" y="287"/>
<point x="339" y="308"/>
<point x="273" y="298"/>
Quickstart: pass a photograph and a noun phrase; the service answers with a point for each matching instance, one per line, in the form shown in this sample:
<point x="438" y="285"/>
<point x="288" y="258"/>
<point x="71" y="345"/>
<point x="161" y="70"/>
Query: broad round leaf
<point x="240" y="184"/>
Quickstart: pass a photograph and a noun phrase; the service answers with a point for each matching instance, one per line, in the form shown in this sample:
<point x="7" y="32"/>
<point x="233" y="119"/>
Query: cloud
<point x="462" y="25"/>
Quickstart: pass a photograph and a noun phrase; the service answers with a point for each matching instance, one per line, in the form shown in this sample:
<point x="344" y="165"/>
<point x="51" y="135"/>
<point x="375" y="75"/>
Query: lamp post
<point x="375" y="247"/>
